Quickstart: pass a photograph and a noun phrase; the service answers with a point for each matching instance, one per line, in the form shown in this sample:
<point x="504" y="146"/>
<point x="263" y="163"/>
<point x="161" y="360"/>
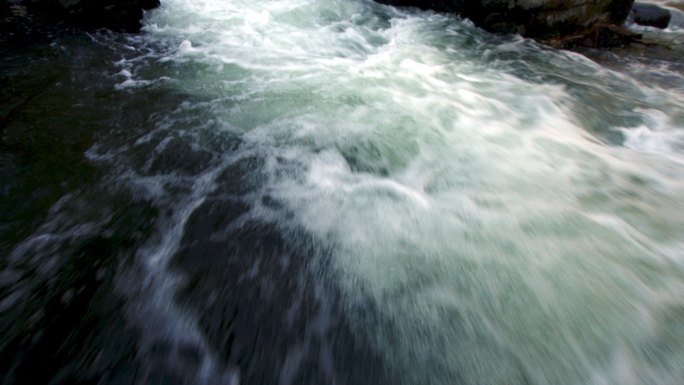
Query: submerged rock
<point x="651" y="15"/>
<point x="532" y="18"/>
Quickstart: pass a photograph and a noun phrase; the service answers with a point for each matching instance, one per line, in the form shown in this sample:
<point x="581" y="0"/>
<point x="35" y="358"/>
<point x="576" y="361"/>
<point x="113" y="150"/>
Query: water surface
<point x="303" y="191"/>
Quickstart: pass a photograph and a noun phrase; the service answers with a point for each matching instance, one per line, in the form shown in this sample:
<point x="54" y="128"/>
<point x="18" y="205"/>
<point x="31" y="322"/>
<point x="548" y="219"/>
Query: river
<point x="337" y="192"/>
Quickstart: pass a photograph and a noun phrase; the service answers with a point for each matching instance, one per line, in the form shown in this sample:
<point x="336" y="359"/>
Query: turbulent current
<point x="338" y="192"/>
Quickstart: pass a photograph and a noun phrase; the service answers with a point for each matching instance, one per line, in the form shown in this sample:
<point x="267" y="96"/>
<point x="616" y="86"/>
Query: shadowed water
<point x="300" y="192"/>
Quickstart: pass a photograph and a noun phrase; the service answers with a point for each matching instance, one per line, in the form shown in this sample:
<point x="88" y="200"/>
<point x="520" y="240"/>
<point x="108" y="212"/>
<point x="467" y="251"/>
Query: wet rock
<point x="112" y="14"/>
<point x="117" y="15"/>
<point x="532" y="18"/>
<point x="598" y="36"/>
<point x="651" y="15"/>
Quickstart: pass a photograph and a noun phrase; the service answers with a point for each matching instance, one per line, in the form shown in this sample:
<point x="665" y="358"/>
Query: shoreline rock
<point x="597" y="36"/>
<point x="27" y="19"/>
<point x="544" y="20"/>
<point x="650" y="15"/>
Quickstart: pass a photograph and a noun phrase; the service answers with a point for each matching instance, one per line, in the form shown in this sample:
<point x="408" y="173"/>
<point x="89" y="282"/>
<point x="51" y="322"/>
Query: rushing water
<point x="310" y="192"/>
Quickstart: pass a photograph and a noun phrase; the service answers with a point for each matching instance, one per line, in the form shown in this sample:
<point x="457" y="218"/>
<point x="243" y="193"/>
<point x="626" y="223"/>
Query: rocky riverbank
<point x="569" y="24"/>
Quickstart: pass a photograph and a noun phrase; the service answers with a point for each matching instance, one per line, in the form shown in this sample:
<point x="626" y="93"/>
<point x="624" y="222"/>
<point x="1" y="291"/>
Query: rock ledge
<point x="541" y="19"/>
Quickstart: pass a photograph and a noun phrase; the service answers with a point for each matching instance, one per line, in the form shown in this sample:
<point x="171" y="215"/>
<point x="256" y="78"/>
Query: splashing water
<point x="472" y="208"/>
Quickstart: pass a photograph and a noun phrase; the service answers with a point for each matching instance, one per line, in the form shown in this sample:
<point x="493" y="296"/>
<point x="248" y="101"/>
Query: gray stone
<point x="650" y="15"/>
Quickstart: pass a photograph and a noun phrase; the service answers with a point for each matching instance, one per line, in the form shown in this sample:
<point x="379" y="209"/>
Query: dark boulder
<point x="598" y="36"/>
<point x="120" y="15"/>
<point x="650" y="15"/>
<point x="533" y="18"/>
<point x="117" y="15"/>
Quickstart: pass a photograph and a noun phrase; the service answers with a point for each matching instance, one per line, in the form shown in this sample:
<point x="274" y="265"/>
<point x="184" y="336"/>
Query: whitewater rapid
<point x="514" y="213"/>
<point x="373" y="193"/>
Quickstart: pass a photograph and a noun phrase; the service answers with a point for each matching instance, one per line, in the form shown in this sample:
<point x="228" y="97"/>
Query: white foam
<point x="130" y="83"/>
<point x="658" y="136"/>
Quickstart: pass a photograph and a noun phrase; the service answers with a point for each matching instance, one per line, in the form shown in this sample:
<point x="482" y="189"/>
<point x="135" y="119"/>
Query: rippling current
<point x="337" y="192"/>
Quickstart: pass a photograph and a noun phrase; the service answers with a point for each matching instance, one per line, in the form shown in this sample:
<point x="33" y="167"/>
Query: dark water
<point x="80" y="303"/>
<point x="302" y="192"/>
